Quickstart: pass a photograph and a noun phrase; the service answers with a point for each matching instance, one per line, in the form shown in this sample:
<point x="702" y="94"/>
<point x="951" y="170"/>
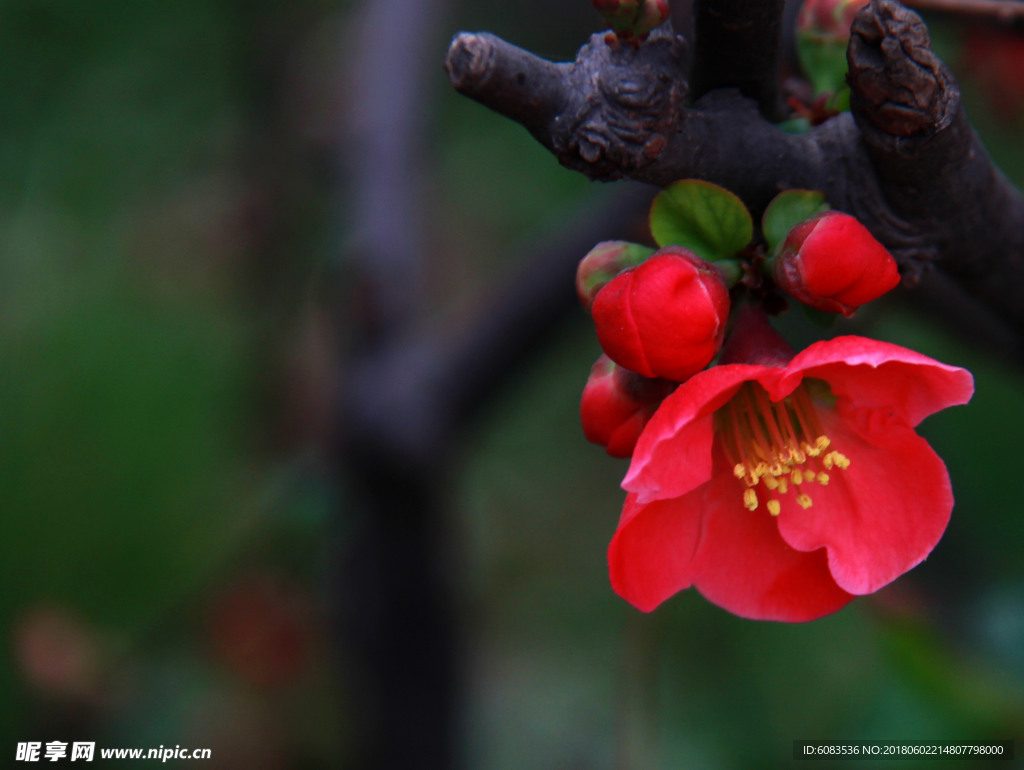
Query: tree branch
<point x="1003" y="11"/>
<point x="907" y="163"/>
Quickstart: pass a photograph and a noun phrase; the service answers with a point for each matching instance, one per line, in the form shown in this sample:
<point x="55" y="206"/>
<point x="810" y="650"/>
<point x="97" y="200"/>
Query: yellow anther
<point x="837" y="459"/>
<point x="750" y="499"/>
<point x="775" y="443"/>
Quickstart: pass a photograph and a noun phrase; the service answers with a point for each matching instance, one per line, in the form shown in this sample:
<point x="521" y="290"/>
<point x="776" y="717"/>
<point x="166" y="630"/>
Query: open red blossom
<point x="832" y="263"/>
<point x="783" y="486"/>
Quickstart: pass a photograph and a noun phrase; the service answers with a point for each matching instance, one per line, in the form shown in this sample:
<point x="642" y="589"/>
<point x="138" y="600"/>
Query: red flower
<point x="664" y="318"/>
<point x="617" y="404"/>
<point x="783" y="486"/>
<point x="832" y="263"/>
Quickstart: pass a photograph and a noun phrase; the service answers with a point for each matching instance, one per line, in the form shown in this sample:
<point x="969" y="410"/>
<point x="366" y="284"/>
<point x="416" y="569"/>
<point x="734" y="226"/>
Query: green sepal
<point x="794" y="126"/>
<point x="786" y="211"/>
<point x="840" y="100"/>
<point x="703" y="217"/>
<point x="730" y="270"/>
<point x="630" y="255"/>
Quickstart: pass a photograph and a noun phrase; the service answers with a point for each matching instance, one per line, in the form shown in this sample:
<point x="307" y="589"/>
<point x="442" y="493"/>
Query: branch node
<point x="898" y="85"/>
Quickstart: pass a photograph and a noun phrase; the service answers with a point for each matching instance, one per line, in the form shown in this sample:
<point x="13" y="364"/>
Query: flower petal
<point x="882" y="515"/>
<point x="743" y="565"/>
<point x="882" y="376"/>
<point x="673" y="454"/>
<point x="650" y="554"/>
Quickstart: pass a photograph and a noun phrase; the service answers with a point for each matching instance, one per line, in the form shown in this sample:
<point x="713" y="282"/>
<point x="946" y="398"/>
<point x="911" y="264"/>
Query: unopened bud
<point x="605" y="261"/>
<point x="617" y="404"/>
<point x="664" y="318"/>
<point x="632" y="20"/>
<point x="832" y="263"/>
<point x="652" y="14"/>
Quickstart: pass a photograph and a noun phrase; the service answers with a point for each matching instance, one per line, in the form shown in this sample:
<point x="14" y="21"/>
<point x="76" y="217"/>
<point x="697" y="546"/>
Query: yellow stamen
<point x="750" y="499"/>
<point x="776" y="444"/>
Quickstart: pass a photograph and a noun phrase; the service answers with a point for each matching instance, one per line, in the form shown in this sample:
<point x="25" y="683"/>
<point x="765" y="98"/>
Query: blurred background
<point x="211" y="216"/>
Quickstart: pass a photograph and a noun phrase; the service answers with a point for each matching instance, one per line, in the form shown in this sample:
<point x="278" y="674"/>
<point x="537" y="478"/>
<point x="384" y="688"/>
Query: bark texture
<point x="905" y="161"/>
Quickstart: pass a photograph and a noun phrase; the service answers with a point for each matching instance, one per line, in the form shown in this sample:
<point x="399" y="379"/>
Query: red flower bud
<point x="832" y="263"/>
<point x="632" y="20"/>
<point x="652" y="14"/>
<point x="617" y="404"/>
<point x="605" y="261"/>
<point x="665" y="318"/>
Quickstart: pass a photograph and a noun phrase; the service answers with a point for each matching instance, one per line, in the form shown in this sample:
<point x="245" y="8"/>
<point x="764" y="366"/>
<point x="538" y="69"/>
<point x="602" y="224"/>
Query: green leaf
<point x="823" y="60"/>
<point x="794" y="126"/>
<point x="703" y="217"/>
<point x="787" y="210"/>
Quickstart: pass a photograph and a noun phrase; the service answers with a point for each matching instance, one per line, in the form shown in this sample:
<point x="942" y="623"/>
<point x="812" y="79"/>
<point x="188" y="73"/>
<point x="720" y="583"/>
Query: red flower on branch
<point x="832" y="263"/>
<point x="664" y="318"/>
<point x="782" y="486"/>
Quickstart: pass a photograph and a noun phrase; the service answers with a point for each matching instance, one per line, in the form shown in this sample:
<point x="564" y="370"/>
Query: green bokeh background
<point x="172" y="237"/>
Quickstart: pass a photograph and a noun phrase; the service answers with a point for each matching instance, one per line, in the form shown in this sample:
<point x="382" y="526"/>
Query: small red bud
<point x="652" y="13"/>
<point x="617" y="404"/>
<point x="605" y="261"/>
<point x="632" y="20"/>
<point x="832" y="263"/>
<point x="665" y="318"/>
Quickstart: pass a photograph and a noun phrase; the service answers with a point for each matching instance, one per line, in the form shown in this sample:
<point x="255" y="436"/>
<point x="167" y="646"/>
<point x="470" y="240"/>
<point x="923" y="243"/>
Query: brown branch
<point x="909" y="166"/>
<point x="1003" y="11"/>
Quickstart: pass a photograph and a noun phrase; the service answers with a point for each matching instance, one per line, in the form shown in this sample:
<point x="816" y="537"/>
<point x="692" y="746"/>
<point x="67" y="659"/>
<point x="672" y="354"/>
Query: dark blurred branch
<point x="1003" y="11"/>
<point x="737" y="46"/>
<point x="384" y="156"/>
<point x="907" y="163"/>
<point x="401" y="407"/>
<point x="410" y="399"/>
<point x="396" y="606"/>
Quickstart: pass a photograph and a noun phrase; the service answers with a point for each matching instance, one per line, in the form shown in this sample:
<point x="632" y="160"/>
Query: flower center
<point x="776" y="446"/>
